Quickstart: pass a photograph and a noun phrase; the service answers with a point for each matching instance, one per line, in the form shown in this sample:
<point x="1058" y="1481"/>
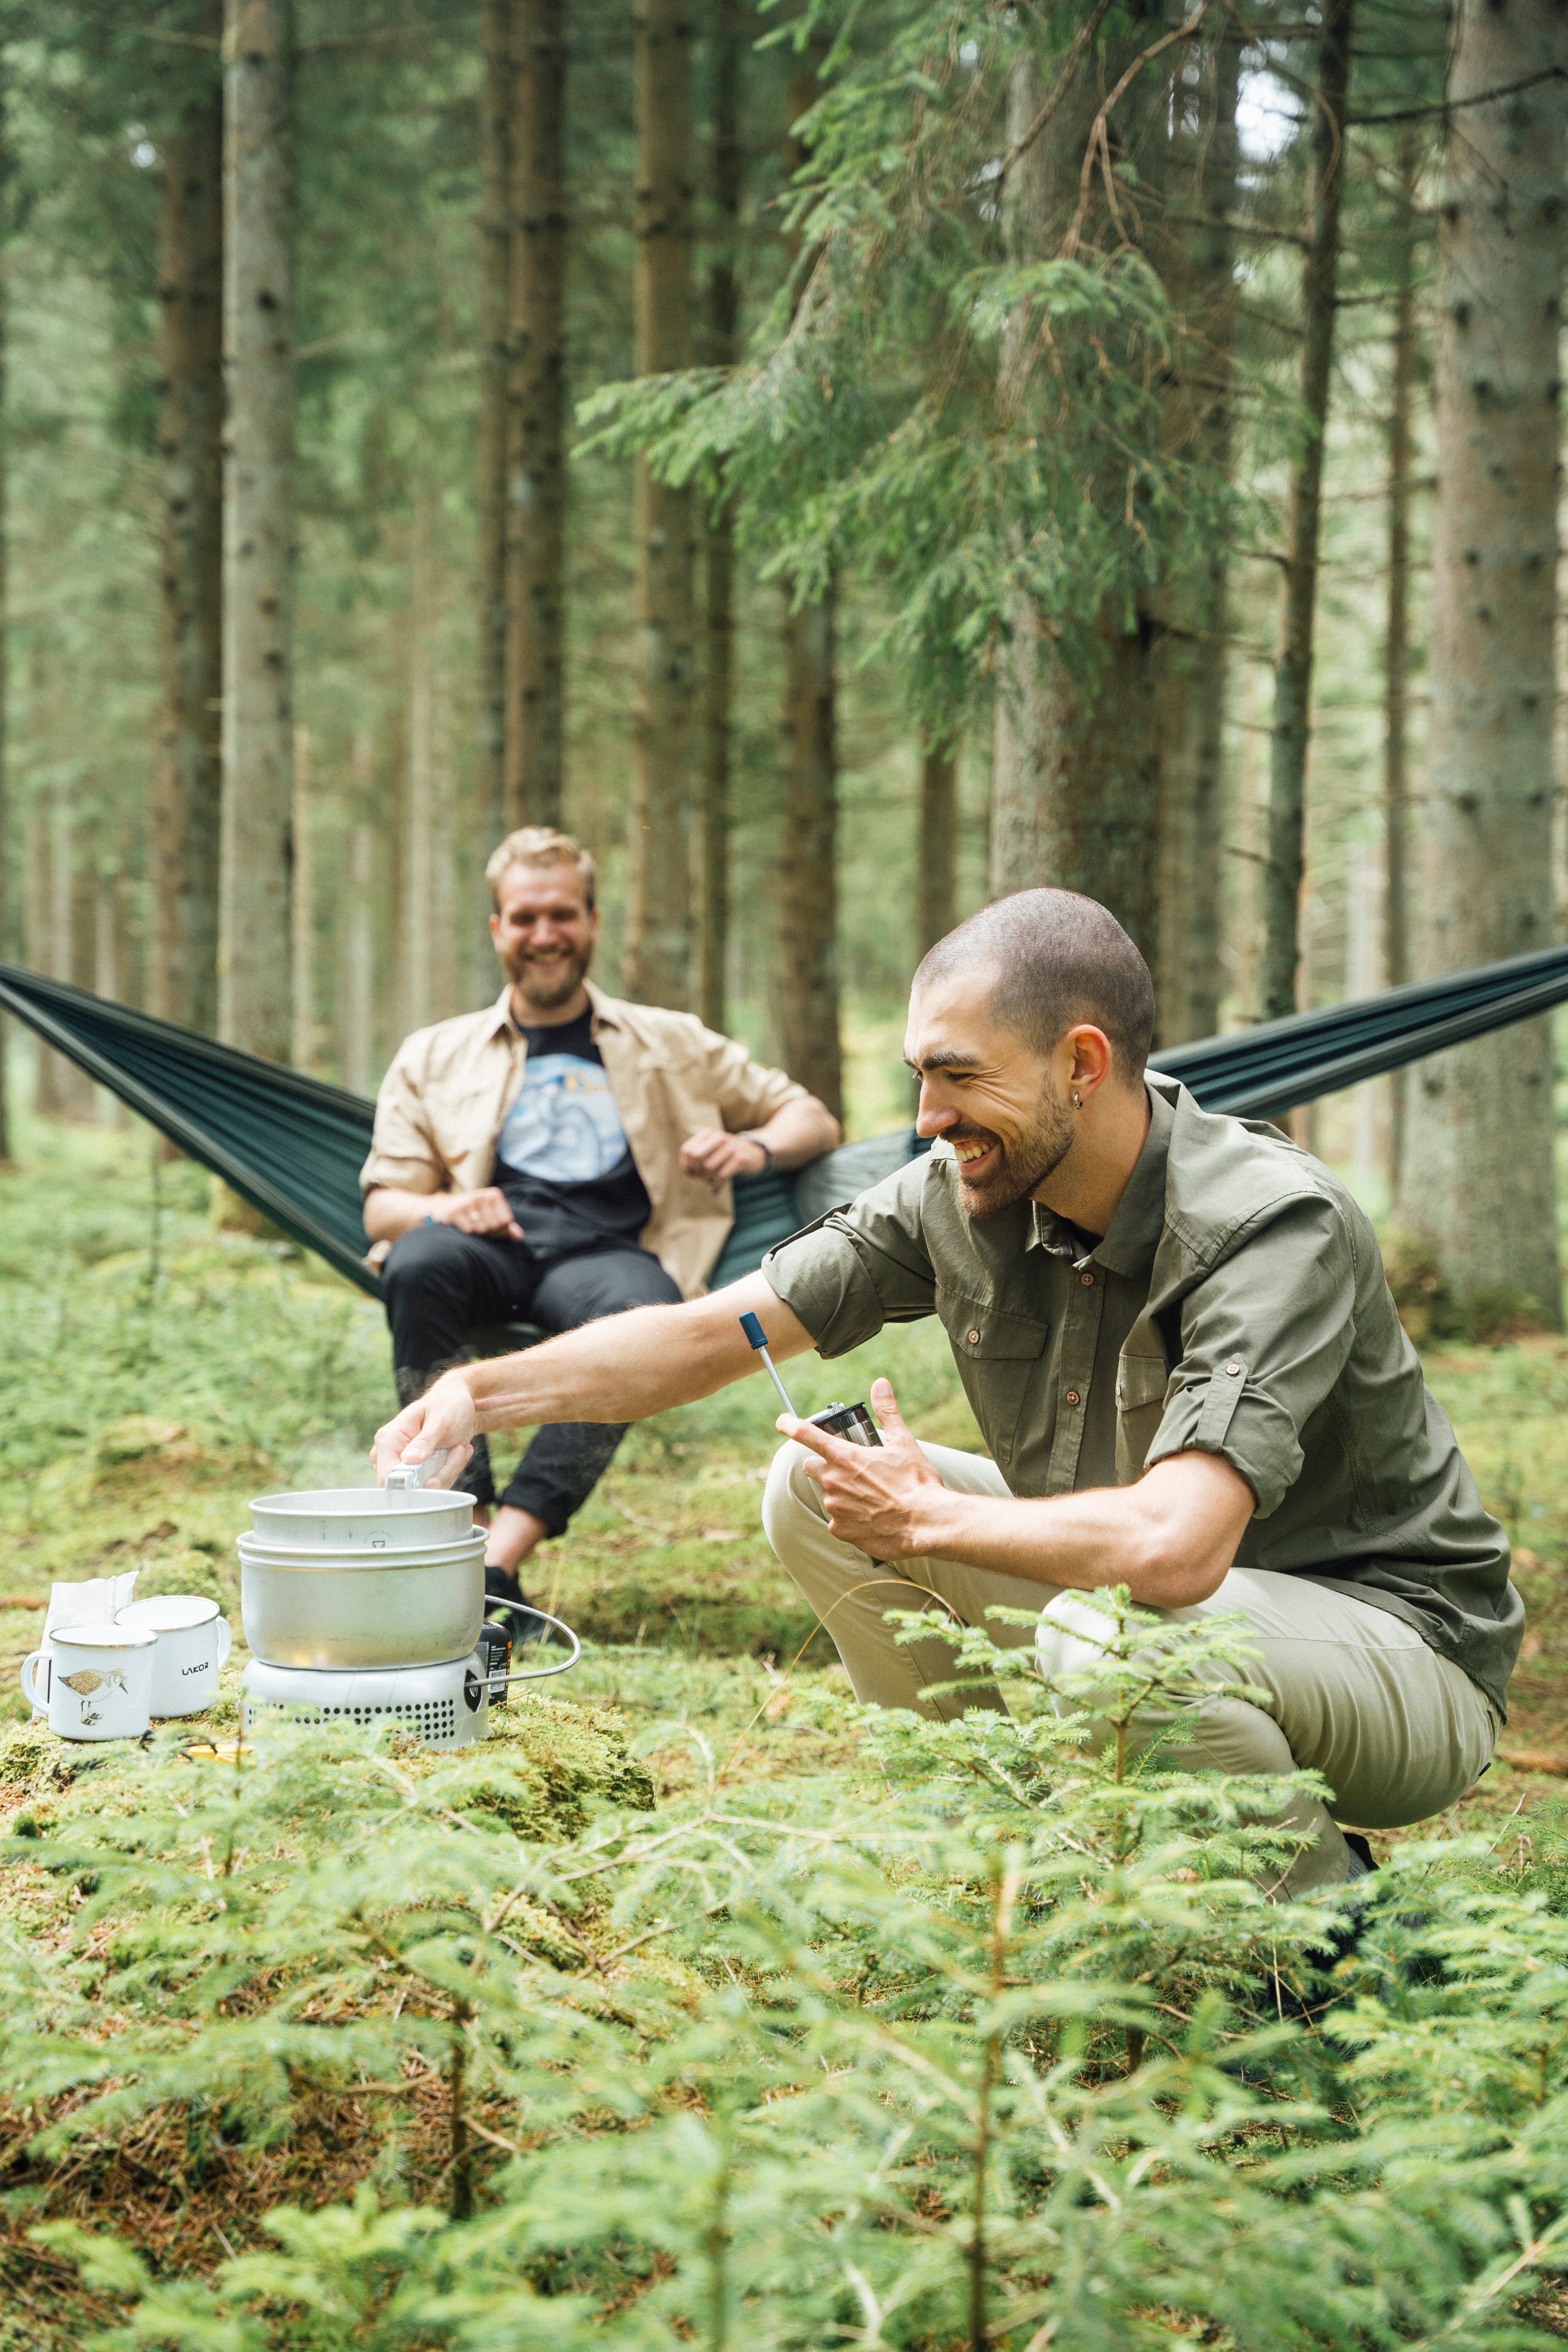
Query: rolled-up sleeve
<point x="403" y="1150"/>
<point x="747" y="1093"/>
<point x="1264" y="1337"/>
<point x="859" y="1267"/>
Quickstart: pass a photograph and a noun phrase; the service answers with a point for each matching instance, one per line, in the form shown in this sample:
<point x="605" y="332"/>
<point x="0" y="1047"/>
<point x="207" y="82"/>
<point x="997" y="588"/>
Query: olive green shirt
<point x="1238" y="1306"/>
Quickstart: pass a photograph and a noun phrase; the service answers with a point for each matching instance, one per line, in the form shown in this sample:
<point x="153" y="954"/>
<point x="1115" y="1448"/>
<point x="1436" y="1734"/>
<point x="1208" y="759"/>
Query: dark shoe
<point x="1362" y="1851"/>
<point x="522" y="1620"/>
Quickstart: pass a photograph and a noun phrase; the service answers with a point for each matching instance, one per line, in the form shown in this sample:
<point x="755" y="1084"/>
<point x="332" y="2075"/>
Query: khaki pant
<point x="1397" y="1732"/>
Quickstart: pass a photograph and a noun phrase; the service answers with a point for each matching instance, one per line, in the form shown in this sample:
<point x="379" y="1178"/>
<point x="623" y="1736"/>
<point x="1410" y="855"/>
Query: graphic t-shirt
<point x="562" y="1159"/>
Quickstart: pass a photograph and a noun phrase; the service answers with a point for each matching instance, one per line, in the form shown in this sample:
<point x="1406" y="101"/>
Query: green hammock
<point x="293" y="1145"/>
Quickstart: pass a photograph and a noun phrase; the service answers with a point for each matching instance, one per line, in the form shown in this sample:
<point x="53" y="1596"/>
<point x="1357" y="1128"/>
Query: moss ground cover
<point x="696" y="2000"/>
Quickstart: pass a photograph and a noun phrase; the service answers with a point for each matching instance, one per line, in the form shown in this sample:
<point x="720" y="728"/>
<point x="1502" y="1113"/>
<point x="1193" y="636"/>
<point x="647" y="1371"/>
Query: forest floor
<point x="159" y="1373"/>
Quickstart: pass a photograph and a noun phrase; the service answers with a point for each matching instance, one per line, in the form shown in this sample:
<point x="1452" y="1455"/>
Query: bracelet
<point x="749" y="1135"/>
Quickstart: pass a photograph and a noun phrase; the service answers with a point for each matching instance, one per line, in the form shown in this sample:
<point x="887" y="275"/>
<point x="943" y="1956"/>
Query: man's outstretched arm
<point x="623" y="1368"/>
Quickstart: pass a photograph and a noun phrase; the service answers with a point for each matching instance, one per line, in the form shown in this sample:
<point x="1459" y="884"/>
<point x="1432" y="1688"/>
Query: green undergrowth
<point x="968" y="2035"/>
<point x="699" y="2004"/>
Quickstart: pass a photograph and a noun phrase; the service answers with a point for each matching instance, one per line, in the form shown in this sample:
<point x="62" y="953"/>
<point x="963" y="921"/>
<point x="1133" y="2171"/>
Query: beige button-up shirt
<point x="1237" y="1305"/>
<point x="445" y="1100"/>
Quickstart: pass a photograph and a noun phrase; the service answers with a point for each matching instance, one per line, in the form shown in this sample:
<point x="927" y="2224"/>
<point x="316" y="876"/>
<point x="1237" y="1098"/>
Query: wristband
<point x="748" y="1136"/>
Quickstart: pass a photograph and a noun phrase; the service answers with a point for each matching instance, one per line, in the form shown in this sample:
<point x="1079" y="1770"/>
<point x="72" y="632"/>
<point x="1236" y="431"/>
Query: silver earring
<point x="1077" y="1101"/>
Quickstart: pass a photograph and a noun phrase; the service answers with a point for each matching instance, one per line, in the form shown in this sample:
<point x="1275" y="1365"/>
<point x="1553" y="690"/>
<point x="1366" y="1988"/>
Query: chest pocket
<point x="997" y="1357"/>
<point x="1141" y="1385"/>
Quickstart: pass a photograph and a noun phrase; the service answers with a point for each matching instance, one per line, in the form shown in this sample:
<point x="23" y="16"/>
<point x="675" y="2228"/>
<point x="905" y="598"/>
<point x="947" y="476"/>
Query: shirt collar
<point x="603" y="1008"/>
<point x="1128" y="1247"/>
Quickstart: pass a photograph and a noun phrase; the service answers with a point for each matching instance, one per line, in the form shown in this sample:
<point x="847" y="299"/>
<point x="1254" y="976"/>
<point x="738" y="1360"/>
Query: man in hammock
<point x="1182" y="1352"/>
<point x="559" y="1157"/>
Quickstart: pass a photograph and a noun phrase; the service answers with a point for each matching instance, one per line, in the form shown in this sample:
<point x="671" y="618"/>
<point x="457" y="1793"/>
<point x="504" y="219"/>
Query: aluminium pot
<point x="362" y="1518"/>
<point x="407" y="1606"/>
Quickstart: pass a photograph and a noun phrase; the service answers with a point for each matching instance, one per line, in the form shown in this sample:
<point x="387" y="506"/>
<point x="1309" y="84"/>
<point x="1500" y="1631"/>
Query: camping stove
<point x="368" y="1607"/>
<point x="445" y="1705"/>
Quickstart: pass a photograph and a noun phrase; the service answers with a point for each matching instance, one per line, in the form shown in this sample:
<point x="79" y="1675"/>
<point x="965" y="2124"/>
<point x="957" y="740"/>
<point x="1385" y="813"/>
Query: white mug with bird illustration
<point x="98" y="1684"/>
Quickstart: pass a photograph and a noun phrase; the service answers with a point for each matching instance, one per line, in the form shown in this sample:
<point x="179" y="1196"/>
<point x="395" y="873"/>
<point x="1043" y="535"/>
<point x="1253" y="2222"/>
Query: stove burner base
<point x="444" y="1706"/>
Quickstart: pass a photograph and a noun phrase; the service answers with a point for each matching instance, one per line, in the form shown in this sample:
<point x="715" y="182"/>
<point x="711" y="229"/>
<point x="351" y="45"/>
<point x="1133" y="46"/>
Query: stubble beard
<point x="1021" y="1166"/>
<point x="547" y="994"/>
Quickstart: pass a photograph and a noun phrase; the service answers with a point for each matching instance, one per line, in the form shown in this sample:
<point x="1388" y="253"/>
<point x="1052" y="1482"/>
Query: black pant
<point x="438" y="1284"/>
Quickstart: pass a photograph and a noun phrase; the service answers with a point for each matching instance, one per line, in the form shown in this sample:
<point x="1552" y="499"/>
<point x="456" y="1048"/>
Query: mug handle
<point x="29" y="1691"/>
<point x="224" y="1641"/>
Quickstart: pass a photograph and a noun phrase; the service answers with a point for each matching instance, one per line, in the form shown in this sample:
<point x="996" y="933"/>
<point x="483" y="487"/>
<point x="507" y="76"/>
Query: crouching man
<point x="1179" y="1347"/>
<point x="558" y="1157"/>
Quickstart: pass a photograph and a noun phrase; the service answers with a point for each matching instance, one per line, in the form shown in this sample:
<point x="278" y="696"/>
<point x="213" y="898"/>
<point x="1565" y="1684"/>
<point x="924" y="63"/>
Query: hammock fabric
<point x="292" y="1146"/>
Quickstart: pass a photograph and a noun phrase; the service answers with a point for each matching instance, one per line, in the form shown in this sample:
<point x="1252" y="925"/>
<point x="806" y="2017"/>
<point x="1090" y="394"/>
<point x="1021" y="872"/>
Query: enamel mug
<point x="98" y="1682"/>
<point x="193" y="1640"/>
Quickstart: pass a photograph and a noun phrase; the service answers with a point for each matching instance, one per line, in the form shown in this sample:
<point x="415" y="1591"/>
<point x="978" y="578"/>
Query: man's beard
<point x="1019" y="1168"/>
<point x="546" y="987"/>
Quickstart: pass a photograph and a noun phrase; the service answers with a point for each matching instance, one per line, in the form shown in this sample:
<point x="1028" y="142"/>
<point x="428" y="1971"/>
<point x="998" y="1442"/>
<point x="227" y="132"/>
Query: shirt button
<point x="1235" y="1370"/>
<point x="974" y="1339"/>
<point x="1073" y="1396"/>
<point x="1086" y="1280"/>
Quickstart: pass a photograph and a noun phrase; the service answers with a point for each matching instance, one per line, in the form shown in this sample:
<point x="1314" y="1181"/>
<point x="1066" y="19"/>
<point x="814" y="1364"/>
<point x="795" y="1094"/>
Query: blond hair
<point x="541" y="844"/>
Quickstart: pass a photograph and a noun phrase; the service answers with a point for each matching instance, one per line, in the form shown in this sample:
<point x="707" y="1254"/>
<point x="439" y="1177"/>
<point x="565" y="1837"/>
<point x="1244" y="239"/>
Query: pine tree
<point x="187" y="783"/>
<point x="498" y="98"/>
<point x="536" y="465"/>
<point x="1477" y="1176"/>
<point x="258" y="527"/>
<point x="1303" y="515"/>
<point x="654" y="959"/>
<point x="808" y="860"/>
<point x="1076" y="764"/>
<point x="937" y="847"/>
<point x="1194" y="607"/>
<point x="726" y="173"/>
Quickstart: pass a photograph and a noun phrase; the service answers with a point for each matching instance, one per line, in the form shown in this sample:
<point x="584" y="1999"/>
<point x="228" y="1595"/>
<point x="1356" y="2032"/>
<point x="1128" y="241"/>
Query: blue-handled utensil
<point x="852" y="1421"/>
<point x="750" y="1325"/>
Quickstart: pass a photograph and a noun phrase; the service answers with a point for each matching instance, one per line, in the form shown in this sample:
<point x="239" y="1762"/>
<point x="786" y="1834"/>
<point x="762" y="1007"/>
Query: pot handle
<point x="407" y="1477"/>
<point x="29" y="1692"/>
<point x="537" y="1674"/>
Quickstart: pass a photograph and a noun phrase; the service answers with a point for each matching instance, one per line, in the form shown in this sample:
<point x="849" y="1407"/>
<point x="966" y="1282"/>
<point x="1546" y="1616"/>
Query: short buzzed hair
<point x="1059" y="959"/>
<point x="541" y="844"/>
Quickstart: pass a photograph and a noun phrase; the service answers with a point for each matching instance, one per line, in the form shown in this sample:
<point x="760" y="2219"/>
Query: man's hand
<point x="715" y="1156"/>
<point x="486" y="1212"/>
<point x="444" y="1415"/>
<point x="877" y="1497"/>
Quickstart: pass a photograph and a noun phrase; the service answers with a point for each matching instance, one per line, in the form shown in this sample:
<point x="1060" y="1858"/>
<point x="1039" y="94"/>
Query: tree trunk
<point x="302" y="911"/>
<point x="258" y="527"/>
<point x="359" y="976"/>
<point x="416" y="943"/>
<point x="536" y="466"/>
<point x="723" y="320"/>
<point x="1396" y="639"/>
<point x="71" y="1091"/>
<point x="1076" y="771"/>
<point x="1478" y="1166"/>
<point x="497" y="98"/>
<point x="187" y="783"/>
<point x="106" y="981"/>
<point x="6" y="838"/>
<point x="937" y="883"/>
<point x="1192" y="653"/>
<point x="809" y="912"/>
<point x="808" y="919"/>
<point x="656" y="957"/>
<point x="1293" y="662"/>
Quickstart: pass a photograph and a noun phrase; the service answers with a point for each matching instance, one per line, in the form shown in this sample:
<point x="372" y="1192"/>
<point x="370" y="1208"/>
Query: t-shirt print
<point x="564" y="1127"/>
